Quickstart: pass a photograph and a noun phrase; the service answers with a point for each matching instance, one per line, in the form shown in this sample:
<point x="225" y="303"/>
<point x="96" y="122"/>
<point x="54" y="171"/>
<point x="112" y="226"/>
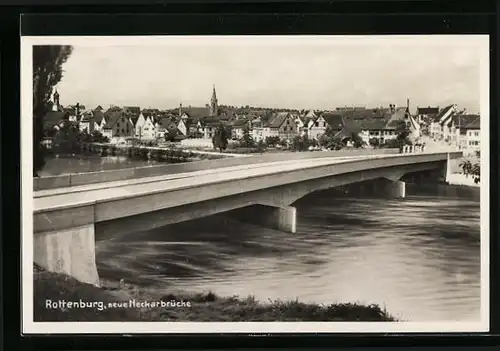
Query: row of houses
<point x="202" y="122"/>
<point x="448" y="124"/>
<point x="453" y="127"/>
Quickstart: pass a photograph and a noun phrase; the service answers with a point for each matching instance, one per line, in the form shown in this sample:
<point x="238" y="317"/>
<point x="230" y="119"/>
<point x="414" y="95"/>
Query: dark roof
<point x="474" y="122"/>
<point x="133" y="109"/>
<point x="372" y="124"/>
<point x="196" y="112"/>
<point x="427" y="110"/>
<point x="53" y="118"/>
<point x="334" y="120"/>
<point x="239" y="123"/>
<point x="113" y="117"/>
<point x="167" y="123"/>
<point x="98" y="116"/>
<point x="278" y="119"/>
<point x="210" y="121"/>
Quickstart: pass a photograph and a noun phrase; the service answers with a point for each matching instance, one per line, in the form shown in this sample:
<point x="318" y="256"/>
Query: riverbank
<point x="462" y="180"/>
<point x="199" y="307"/>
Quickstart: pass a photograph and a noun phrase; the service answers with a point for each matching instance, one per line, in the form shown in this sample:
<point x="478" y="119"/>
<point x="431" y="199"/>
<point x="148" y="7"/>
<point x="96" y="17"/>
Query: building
<point x="119" y="124"/>
<point x="426" y="113"/>
<point x="145" y="126"/>
<point x="165" y="126"/>
<point x="208" y="127"/>
<point x="473" y="134"/>
<point x="99" y="119"/>
<point x="237" y="128"/>
<point x="87" y="122"/>
<point x="317" y="127"/>
<point x="283" y="125"/>
<point x="259" y="130"/>
<point x="438" y="129"/>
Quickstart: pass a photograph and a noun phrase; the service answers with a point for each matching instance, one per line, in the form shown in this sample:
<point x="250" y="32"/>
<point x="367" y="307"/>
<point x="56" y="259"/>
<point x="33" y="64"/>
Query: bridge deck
<point x="58" y="198"/>
<point x="126" y="182"/>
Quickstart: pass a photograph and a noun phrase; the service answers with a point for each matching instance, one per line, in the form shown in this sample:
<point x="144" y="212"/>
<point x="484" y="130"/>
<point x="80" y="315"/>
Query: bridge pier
<point x="280" y="218"/>
<point x="396" y="189"/>
<point x="69" y="251"/>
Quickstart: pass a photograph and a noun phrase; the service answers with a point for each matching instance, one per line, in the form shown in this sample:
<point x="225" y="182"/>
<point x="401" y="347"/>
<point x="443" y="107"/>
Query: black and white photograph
<point x="255" y="184"/>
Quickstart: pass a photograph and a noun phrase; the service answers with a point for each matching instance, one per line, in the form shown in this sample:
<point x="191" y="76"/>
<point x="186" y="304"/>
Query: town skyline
<point x="286" y="76"/>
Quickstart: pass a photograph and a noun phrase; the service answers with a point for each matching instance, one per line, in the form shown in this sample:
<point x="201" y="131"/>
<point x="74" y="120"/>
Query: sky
<point x="271" y="72"/>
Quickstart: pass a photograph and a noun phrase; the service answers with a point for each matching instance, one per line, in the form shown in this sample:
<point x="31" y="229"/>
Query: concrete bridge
<point x="68" y="219"/>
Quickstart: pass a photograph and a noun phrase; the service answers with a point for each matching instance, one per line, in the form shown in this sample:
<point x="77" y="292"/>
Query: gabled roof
<point x="427" y="110"/>
<point x="166" y="123"/>
<point x="278" y="119"/>
<point x="443" y="112"/>
<point x="113" y="118"/>
<point x="334" y="120"/>
<point x="98" y="116"/>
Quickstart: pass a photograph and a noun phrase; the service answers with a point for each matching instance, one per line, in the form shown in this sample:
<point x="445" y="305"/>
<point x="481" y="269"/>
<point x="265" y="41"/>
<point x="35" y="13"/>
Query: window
<point x="316" y="124"/>
<point x="476" y="134"/>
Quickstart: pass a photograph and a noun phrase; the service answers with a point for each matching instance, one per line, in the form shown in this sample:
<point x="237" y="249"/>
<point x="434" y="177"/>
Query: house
<point x="424" y="113"/>
<point x="87" y="122"/>
<point x="301" y="125"/>
<point x="438" y="130"/>
<point x="237" y="128"/>
<point x="318" y="126"/>
<point x="473" y="133"/>
<point x="165" y="126"/>
<point x="209" y="126"/>
<point x="189" y="127"/>
<point x="99" y="119"/>
<point x="283" y="125"/>
<point x="259" y="130"/>
<point x="380" y="125"/>
<point x="466" y="129"/>
<point x="118" y="125"/>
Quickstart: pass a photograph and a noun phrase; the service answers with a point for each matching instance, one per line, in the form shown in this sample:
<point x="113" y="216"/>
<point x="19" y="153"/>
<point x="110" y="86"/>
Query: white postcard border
<point x="31" y="327"/>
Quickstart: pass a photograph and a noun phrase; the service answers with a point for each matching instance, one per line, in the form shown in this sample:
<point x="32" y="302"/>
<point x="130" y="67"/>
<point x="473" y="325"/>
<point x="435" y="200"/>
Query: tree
<point x="403" y="133"/>
<point x="47" y="73"/>
<point x="356" y="139"/>
<point x="472" y="169"/>
<point x="272" y="140"/>
<point x="247" y="140"/>
<point x="220" y="139"/>
<point x="374" y="142"/>
<point x="301" y="143"/>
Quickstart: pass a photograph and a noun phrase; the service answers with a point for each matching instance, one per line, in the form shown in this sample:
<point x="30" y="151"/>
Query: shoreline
<point x="191" y="307"/>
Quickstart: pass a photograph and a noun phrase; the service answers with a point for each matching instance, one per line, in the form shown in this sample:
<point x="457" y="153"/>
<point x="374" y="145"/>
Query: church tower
<point x="56" y="105"/>
<point x="213" y="104"/>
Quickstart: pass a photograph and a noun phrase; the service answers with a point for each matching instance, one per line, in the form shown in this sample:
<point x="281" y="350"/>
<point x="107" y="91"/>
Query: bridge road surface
<point x="154" y="179"/>
<point x="53" y="199"/>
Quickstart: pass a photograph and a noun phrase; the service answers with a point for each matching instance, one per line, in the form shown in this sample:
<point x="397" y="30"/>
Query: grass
<point x="203" y="306"/>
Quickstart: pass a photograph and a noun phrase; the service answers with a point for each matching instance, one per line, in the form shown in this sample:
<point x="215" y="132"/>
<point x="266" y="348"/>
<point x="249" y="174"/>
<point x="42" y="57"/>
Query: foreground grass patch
<point x="202" y="306"/>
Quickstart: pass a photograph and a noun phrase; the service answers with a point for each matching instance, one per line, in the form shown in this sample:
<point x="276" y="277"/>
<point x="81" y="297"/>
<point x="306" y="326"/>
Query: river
<point x="89" y="163"/>
<point x="418" y="257"/>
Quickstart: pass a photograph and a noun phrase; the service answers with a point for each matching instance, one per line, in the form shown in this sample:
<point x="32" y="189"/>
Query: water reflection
<point x="418" y="257"/>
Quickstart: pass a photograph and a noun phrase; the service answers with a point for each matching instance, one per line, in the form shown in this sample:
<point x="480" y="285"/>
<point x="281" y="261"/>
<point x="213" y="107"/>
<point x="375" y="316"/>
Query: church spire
<point x="213" y="103"/>
<point x="56" y="103"/>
